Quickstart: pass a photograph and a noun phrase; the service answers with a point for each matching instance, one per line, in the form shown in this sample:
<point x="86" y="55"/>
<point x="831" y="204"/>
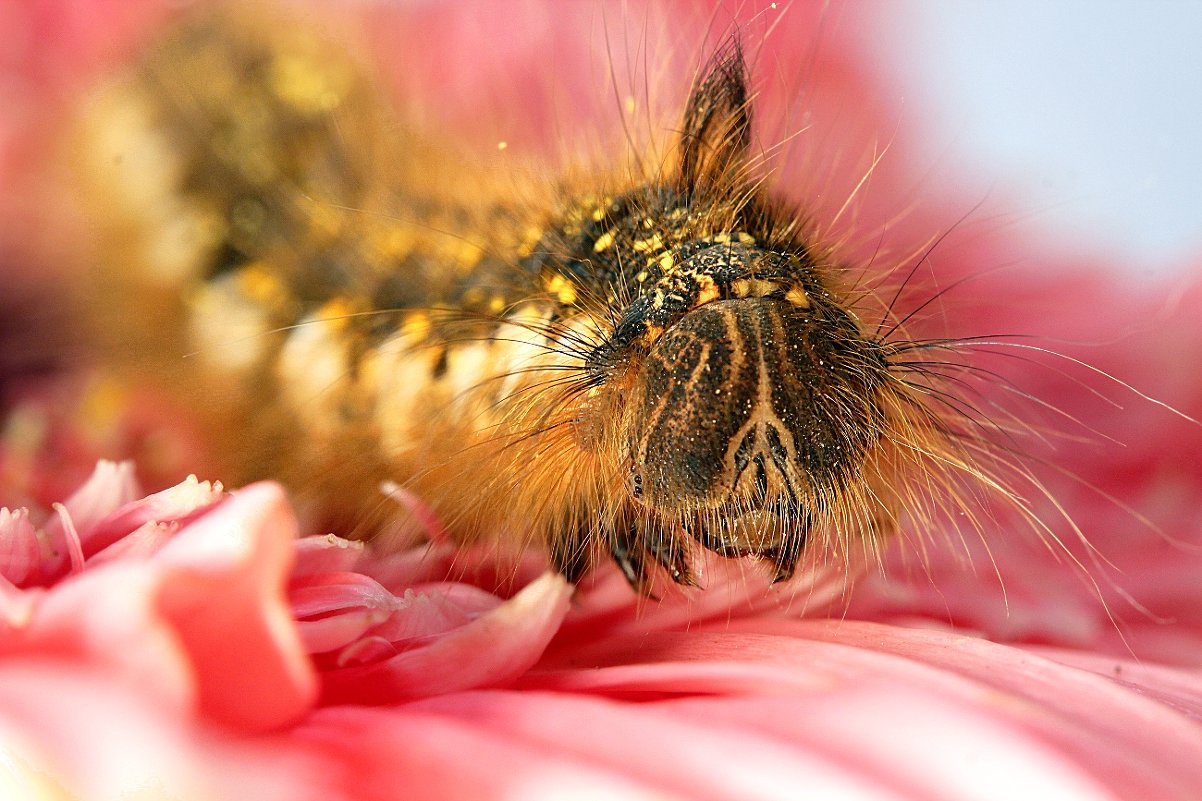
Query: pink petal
<point x="491" y="650"/>
<point x="202" y="626"/>
<point x="67" y="537"/>
<point x="107" y="619"/>
<point x="20" y="551"/>
<point x="178" y="503"/>
<point x="70" y="732"/>
<point x="317" y="596"/>
<point x="918" y="711"/>
<point x="224" y="592"/>
<point x="385" y="754"/>
<point x="496" y="570"/>
<point x="104" y="510"/>
<point x="141" y="543"/>
<point x="605" y="603"/>
<point x="1132" y="743"/>
<point x="328" y="554"/>
<point x="333" y="610"/>
<point x="430" y="610"/>
<point x="16" y="608"/>
<point x="111" y="486"/>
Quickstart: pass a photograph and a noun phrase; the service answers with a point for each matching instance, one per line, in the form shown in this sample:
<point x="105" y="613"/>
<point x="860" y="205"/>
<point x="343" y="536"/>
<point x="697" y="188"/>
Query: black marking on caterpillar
<point x="653" y="363"/>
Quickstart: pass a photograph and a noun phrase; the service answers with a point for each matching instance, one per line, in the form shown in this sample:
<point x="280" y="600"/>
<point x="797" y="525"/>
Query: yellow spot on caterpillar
<point x="667" y="262"/>
<point x="601" y="210"/>
<point x="798" y="297"/>
<point x="745" y="238"/>
<point x="392" y="242"/>
<point x="466" y="254"/>
<point x="336" y="313"/>
<point x="257" y="283"/>
<point x="642" y="276"/>
<point x="651" y="243"/>
<point x="604" y="242"/>
<point x="473" y="296"/>
<point x="306" y="85"/>
<point x="416" y="326"/>
<point x="496" y="304"/>
<point x="756" y="288"/>
<point x="232" y="315"/>
<point x="652" y="333"/>
<point x="567" y="295"/>
<point x="709" y="291"/>
<point x="530" y="238"/>
<point x="721" y="239"/>
<point x="563" y="289"/>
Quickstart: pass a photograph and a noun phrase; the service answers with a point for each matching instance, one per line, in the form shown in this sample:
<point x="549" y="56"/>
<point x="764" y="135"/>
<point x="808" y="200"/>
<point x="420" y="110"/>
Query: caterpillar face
<point x="739" y="395"/>
<point x="654" y="363"/>
<point x="752" y="405"/>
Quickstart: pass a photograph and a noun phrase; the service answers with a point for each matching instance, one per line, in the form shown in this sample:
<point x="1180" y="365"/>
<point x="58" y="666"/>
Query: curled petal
<point x="328" y="554"/>
<point x="20" y="552"/>
<point x="492" y="650"/>
<point x="318" y="596"/>
<point x="333" y="610"/>
<point x="497" y="569"/>
<point x="178" y="503"/>
<point x="430" y="610"/>
<point x="141" y="543"/>
<point x="201" y="626"/>
<point x="224" y="594"/>
<point x="111" y="486"/>
<point x="192" y="610"/>
<point x="107" y="619"/>
<point x="68" y="539"/>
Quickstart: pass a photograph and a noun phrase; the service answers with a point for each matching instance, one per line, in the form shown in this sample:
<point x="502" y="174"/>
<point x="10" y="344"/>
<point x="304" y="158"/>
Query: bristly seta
<point x="627" y="369"/>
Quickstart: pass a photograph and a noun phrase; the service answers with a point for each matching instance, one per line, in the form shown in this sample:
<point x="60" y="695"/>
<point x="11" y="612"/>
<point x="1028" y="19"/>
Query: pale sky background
<point x="1091" y="110"/>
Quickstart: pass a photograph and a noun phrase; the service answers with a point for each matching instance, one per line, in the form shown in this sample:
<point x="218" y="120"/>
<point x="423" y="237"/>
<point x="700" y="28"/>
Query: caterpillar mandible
<point x="627" y="364"/>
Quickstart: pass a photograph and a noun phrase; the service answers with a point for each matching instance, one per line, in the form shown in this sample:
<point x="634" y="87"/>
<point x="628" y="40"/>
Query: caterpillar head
<point x="733" y="391"/>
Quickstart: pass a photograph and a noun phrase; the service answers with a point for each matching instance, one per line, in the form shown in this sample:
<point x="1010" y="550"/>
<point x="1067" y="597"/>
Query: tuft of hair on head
<point x="716" y="132"/>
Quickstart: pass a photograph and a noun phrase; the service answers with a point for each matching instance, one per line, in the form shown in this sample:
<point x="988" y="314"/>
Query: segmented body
<point x="623" y="368"/>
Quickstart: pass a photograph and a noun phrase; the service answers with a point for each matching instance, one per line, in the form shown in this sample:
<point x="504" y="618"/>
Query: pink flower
<point x="192" y="644"/>
<point x="222" y="656"/>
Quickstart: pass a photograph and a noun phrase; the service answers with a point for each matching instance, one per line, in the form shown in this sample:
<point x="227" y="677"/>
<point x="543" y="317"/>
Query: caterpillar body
<point x="631" y="364"/>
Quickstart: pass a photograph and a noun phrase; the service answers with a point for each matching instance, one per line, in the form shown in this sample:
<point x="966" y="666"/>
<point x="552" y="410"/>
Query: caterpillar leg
<point x="637" y="554"/>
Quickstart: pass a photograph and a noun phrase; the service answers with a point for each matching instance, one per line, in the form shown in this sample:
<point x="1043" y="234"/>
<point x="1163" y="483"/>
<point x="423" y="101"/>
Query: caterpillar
<point x="625" y="364"/>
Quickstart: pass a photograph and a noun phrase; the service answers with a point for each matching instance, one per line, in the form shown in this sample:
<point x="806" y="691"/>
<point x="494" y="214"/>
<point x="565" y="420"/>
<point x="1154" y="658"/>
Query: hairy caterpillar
<point x="629" y="363"/>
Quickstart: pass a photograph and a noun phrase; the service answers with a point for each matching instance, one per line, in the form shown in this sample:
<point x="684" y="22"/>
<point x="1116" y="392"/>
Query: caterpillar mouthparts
<point x="627" y="368"/>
